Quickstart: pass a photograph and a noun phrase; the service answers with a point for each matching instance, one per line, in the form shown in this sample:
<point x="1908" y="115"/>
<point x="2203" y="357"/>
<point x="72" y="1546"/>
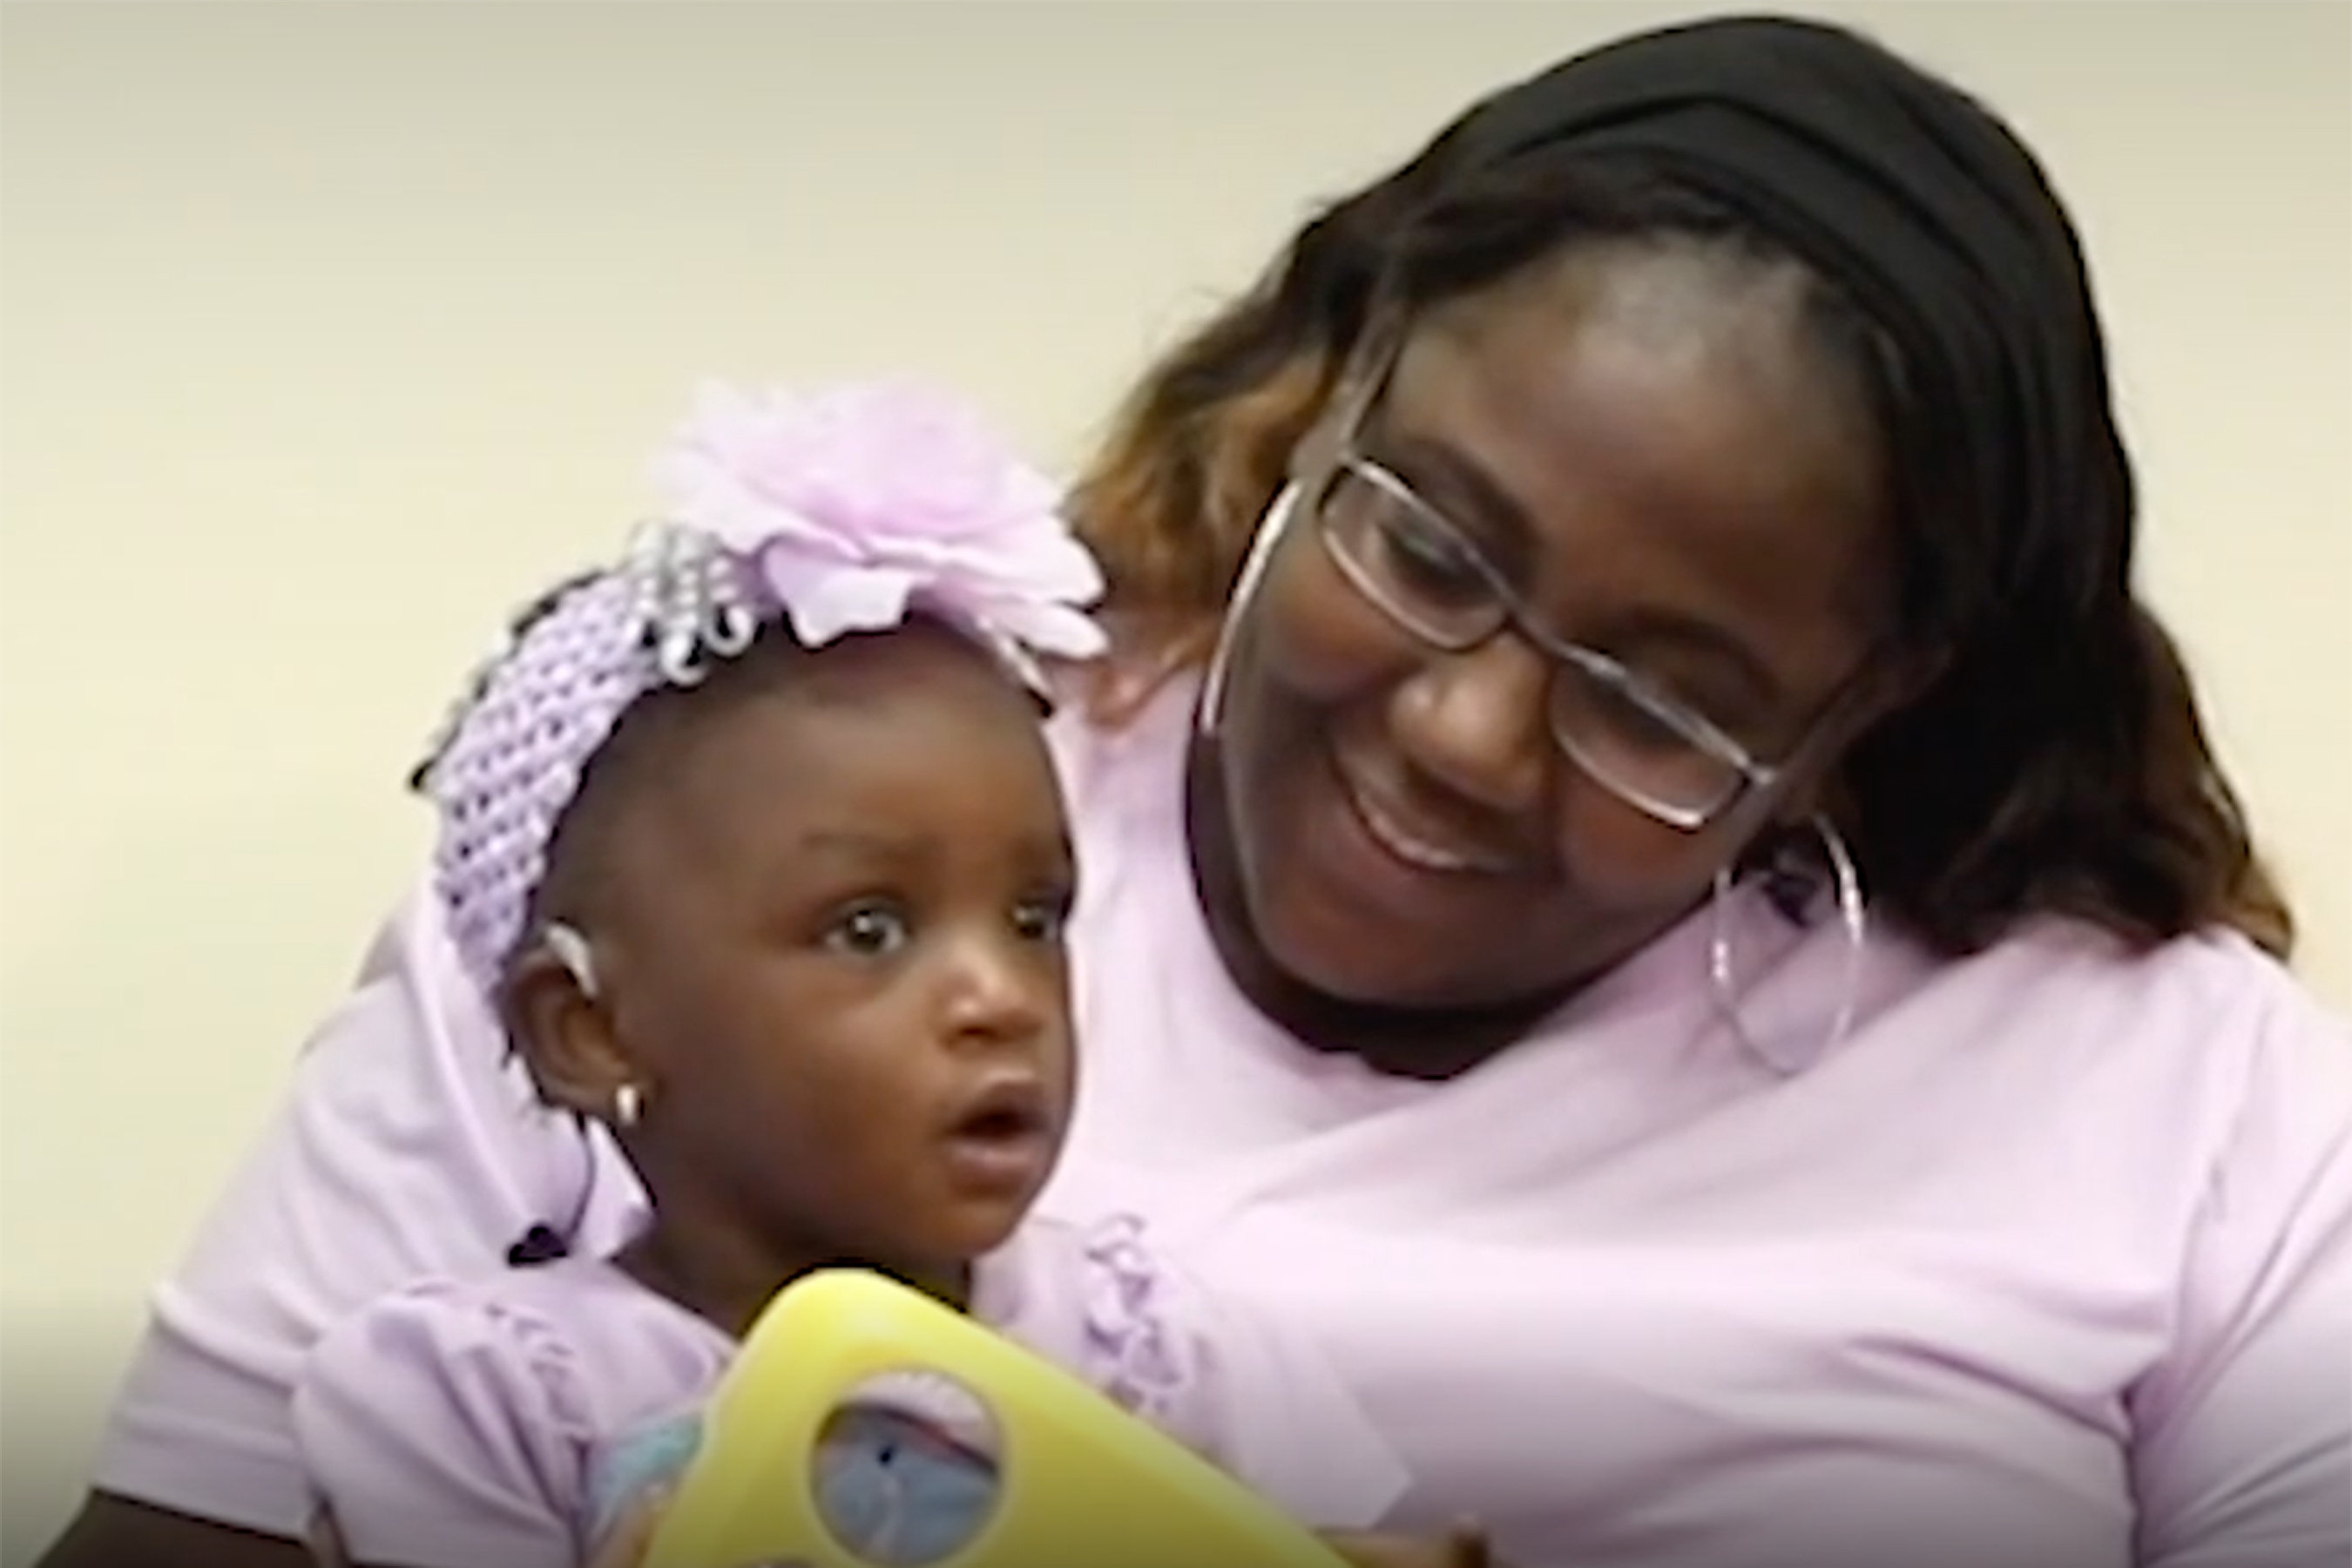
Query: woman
<point x="1688" y="927"/>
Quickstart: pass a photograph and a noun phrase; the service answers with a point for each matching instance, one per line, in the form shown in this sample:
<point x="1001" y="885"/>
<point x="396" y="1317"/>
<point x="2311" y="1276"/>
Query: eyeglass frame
<point x="1750" y="774"/>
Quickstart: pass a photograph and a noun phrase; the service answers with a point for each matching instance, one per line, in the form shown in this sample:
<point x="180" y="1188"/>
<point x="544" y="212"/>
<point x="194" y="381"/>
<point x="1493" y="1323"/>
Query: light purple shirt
<point x="2047" y="1264"/>
<point x="504" y="1421"/>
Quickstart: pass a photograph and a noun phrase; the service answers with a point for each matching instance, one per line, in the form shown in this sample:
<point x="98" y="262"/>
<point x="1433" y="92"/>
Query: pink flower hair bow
<point x="841" y="511"/>
<point x="852" y="507"/>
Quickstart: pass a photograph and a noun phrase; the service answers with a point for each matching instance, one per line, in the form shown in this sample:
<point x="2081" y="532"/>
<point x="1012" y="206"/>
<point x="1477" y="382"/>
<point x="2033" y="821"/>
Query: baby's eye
<point x="1043" y="919"/>
<point x="869" y="931"/>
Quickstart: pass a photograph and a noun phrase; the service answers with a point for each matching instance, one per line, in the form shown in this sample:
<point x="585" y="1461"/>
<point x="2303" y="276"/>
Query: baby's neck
<point x="729" y="1281"/>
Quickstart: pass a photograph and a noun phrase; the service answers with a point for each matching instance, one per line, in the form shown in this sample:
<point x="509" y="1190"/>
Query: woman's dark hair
<point x="2057" y="764"/>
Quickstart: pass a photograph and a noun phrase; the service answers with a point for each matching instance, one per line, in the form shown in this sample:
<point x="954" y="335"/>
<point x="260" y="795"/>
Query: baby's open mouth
<point x="1004" y="1135"/>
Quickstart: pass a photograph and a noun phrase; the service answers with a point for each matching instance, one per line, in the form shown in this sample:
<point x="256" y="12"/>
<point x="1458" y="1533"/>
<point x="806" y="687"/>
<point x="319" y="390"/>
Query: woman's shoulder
<point x="2201" y="991"/>
<point x="2190" y="1042"/>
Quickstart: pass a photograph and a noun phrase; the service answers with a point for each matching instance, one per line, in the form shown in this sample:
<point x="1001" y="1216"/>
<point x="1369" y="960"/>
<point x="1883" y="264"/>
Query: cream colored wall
<point x="331" y="331"/>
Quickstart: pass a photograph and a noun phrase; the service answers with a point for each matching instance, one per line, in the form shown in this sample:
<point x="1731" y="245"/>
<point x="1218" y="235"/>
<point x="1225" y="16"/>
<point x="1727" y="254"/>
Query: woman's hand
<point x="1464" y="1547"/>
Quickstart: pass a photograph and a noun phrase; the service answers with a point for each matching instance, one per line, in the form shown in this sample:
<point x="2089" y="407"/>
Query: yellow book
<point x="1080" y="1483"/>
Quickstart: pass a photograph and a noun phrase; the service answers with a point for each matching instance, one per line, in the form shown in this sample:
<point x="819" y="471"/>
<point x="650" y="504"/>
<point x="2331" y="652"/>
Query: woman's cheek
<point x="1316" y="637"/>
<point x="1621" y="858"/>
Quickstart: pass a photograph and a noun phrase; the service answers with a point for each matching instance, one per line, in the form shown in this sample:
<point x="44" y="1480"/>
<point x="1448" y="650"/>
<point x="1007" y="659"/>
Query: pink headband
<point x="841" y="511"/>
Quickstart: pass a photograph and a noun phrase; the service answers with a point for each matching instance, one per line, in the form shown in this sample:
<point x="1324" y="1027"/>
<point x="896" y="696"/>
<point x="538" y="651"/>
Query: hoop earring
<point x="1851" y="913"/>
<point x="628" y="1104"/>
<point x="1271" y="527"/>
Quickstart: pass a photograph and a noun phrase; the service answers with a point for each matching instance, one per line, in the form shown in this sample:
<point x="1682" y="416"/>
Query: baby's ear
<point x="560" y="1026"/>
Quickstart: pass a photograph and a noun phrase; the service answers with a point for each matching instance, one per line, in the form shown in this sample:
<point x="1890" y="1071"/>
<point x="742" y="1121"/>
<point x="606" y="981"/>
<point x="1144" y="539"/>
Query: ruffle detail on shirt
<point x="1133" y="1354"/>
<point x="533" y="1344"/>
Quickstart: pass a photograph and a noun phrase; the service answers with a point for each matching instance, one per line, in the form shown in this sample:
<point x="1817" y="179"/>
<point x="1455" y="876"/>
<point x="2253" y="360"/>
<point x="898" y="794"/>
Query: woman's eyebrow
<point x="1710" y="640"/>
<point x="1468" y="496"/>
<point x="1472" y="499"/>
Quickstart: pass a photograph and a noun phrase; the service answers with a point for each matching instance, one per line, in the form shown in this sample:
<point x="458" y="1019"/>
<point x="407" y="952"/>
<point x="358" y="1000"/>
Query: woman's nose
<point x="1474" y="721"/>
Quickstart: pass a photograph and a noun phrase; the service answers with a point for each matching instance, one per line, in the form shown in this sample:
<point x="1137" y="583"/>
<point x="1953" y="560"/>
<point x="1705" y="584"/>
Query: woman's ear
<point x="561" y="1028"/>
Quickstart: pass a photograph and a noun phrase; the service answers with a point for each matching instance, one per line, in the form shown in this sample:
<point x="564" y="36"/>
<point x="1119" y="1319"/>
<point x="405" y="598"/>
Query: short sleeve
<point x="410" y="1147"/>
<point x="2243" y="1449"/>
<point x="1262" y="1402"/>
<point x="439" y="1432"/>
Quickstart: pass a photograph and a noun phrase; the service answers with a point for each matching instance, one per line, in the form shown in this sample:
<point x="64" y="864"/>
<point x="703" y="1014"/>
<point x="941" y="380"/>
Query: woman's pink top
<point x="2047" y="1264"/>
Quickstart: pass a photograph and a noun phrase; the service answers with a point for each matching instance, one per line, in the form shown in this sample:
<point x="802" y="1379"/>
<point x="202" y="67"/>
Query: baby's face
<point x="840" y="966"/>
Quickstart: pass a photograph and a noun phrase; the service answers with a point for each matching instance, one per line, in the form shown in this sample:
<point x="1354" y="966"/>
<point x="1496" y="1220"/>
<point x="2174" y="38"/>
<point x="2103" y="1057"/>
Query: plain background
<point x="332" y="331"/>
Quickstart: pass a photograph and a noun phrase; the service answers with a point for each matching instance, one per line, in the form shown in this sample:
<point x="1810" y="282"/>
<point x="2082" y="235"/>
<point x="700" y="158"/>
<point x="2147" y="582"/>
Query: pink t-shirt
<point x="2047" y="1264"/>
<point x="506" y="1420"/>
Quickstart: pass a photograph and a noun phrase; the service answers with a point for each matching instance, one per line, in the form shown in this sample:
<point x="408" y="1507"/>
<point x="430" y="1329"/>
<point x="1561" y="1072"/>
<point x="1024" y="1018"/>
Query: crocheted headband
<point x="843" y="510"/>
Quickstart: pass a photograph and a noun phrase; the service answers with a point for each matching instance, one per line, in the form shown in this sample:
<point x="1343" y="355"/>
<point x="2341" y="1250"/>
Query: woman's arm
<point x="118" y="1533"/>
<point x="2241" y="1455"/>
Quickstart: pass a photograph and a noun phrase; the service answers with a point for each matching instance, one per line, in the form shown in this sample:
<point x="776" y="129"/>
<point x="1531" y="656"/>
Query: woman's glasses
<point x="1417" y="566"/>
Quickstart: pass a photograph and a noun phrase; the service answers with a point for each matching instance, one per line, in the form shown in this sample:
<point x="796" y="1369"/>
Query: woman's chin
<point x="1357" y="954"/>
<point x="1331" y="953"/>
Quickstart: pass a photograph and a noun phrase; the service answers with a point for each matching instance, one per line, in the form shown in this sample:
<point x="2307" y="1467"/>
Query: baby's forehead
<point x="898" y="734"/>
<point x="921" y="659"/>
